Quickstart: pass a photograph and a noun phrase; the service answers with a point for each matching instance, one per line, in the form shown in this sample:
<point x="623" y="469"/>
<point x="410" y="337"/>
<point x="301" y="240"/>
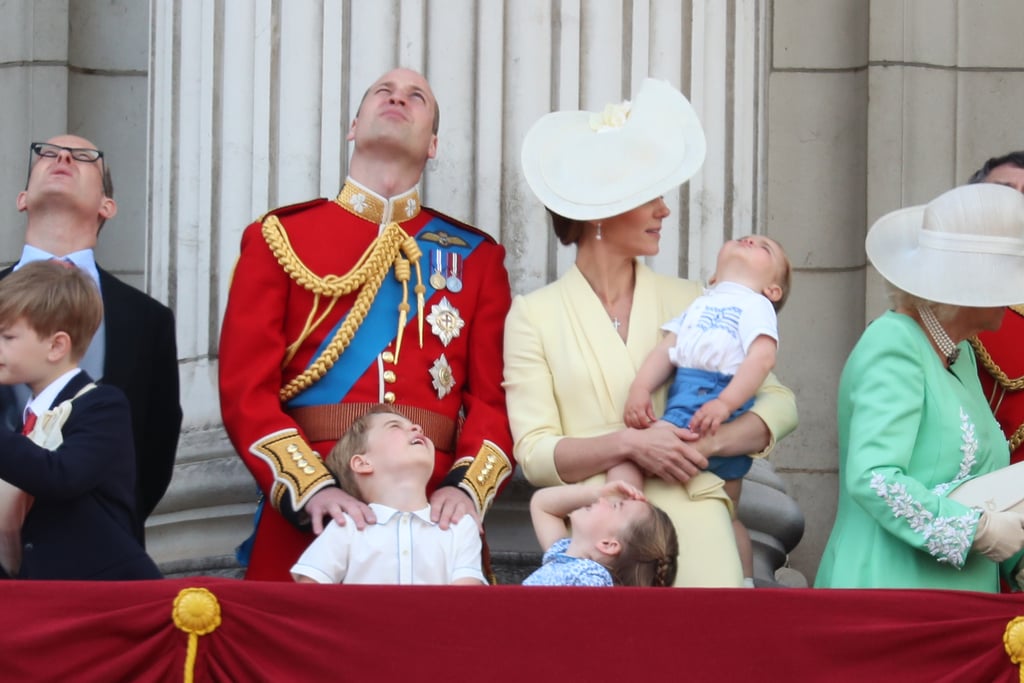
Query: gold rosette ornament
<point x="1013" y="641"/>
<point x="197" y="613"/>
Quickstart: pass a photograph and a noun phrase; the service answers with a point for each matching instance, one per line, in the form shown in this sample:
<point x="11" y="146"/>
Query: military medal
<point x="437" y="279"/>
<point x="442" y="378"/>
<point x="445" y="321"/>
<point x="454" y="281"/>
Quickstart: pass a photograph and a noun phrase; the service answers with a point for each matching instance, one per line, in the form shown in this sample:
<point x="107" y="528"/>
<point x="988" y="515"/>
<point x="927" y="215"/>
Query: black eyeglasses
<point x="46" y="150"/>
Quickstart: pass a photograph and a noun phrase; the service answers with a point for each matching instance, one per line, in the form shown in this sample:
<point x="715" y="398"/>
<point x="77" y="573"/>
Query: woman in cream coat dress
<point x="573" y="347"/>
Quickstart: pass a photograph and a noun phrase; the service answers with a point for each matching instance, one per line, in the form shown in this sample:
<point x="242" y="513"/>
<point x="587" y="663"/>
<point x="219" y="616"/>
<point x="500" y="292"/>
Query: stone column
<point x="34" y="77"/>
<point x="815" y="203"/>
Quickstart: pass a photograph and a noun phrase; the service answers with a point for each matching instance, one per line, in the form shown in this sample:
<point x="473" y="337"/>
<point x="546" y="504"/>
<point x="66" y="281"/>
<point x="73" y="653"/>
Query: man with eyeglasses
<point x="68" y="197"/>
<point x="369" y="298"/>
<point x="1000" y="361"/>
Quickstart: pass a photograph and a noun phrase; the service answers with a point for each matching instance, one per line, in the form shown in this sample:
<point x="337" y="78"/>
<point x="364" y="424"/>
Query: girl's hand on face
<point x="621" y="489"/>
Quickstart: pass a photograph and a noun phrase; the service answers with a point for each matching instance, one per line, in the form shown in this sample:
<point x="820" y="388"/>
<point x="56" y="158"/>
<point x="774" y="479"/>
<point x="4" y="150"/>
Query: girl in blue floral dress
<point x="616" y="538"/>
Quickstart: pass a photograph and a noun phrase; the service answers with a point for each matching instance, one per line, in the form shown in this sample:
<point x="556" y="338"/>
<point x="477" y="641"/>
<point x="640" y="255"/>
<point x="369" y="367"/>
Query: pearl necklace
<point x="938" y="334"/>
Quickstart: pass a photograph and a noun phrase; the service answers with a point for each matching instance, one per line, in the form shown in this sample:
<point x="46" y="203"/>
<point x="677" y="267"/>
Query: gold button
<point x="389" y="397"/>
<point x="309" y="470"/>
<point x="296" y="456"/>
<point x="389" y="376"/>
<point x="490" y="458"/>
<point x="387" y="357"/>
<point x="480" y="478"/>
<point x="302" y="463"/>
<point x="291" y="448"/>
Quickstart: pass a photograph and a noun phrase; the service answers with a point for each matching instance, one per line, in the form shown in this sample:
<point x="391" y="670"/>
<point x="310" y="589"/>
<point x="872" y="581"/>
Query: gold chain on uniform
<point x="1001" y="378"/>
<point x="366" y="276"/>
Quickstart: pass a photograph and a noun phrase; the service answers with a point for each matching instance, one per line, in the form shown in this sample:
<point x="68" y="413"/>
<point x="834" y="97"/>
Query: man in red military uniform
<point x="339" y="305"/>
<point x="1000" y="360"/>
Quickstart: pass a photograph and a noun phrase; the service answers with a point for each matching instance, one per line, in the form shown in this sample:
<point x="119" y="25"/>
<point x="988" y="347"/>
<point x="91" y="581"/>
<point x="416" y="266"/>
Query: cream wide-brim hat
<point x="965" y="247"/>
<point x="592" y="165"/>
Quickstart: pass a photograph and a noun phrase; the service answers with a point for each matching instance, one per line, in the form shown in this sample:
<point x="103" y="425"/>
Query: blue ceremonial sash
<point x="381" y="323"/>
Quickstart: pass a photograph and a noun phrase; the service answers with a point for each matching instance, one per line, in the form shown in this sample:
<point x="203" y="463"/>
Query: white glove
<point x="999" y="535"/>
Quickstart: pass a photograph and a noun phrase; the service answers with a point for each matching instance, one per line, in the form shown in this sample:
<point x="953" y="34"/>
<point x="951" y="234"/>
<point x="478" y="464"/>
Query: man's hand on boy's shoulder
<point x="449" y="504"/>
<point x="333" y="503"/>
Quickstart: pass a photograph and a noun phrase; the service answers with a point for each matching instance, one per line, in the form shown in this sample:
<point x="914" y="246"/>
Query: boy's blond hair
<point x="53" y="296"/>
<point x="352" y="443"/>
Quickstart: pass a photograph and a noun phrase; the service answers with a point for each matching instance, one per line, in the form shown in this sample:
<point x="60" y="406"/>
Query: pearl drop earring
<point x="598" y="231"/>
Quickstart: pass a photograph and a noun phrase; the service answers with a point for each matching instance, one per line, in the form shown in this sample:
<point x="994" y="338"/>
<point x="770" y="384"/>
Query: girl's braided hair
<point x="650" y="552"/>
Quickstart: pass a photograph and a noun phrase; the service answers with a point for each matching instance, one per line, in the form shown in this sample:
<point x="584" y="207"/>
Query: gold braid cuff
<point x="298" y="470"/>
<point x="486" y="472"/>
<point x="366" y="276"/>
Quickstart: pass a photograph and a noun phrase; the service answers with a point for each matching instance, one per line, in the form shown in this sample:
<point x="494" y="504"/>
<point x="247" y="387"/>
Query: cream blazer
<point x="567" y="373"/>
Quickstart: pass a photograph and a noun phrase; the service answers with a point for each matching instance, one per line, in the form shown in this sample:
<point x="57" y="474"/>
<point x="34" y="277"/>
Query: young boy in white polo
<point x="385" y="460"/>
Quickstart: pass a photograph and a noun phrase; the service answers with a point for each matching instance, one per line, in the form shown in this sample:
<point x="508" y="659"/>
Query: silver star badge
<point x="443" y="380"/>
<point x="445" y="321"/>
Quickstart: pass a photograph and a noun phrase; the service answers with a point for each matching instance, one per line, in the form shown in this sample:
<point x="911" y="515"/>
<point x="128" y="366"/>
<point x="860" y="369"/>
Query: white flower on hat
<point x="614" y="116"/>
<point x="656" y="144"/>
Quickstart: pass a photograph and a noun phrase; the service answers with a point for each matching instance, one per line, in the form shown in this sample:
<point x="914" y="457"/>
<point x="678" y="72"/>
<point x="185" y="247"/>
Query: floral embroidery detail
<point x="947" y="539"/>
<point x="410" y="207"/>
<point x="614" y="116"/>
<point x="969" y="447"/>
<point x="358" y="202"/>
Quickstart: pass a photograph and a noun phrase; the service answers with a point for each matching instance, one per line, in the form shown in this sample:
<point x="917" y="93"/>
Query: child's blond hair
<point x="53" y="296"/>
<point x="352" y="443"/>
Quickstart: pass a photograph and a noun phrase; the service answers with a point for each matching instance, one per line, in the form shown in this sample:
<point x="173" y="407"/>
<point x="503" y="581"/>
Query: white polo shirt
<point x="401" y="548"/>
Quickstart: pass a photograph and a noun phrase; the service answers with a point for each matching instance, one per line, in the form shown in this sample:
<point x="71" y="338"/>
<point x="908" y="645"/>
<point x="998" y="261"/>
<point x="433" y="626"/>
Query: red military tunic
<point x="292" y="377"/>
<point x="1001" y="369"/>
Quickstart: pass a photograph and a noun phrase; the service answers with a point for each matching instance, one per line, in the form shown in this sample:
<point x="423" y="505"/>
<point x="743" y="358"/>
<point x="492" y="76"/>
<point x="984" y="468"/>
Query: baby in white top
<point x="721" y="349"/>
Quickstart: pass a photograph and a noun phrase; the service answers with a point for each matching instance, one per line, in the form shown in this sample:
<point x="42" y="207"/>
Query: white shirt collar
<point x="385" y="513"/>
<point x="83" y="258"/>
<point x="41" y="403"/>
<point x="729" y="287"/>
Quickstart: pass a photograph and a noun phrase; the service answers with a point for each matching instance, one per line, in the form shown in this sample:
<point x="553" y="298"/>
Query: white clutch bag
<point x="994" y="492"/>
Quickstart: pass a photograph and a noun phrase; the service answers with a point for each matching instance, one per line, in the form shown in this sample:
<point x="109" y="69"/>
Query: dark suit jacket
<point x="82" y="523"/>
<point x="141" y="359"/>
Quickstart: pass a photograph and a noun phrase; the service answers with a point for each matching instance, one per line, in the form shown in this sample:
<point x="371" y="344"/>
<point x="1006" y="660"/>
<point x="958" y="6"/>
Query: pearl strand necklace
<point x="938" y="334"/>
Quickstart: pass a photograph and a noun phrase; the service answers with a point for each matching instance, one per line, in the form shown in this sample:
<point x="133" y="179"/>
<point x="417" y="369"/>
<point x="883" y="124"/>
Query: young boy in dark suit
<point x="74" y="464"/>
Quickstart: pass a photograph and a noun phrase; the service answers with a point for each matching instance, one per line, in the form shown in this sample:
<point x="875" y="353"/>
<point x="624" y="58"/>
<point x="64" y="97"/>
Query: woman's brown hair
<point x="567" y="230"/>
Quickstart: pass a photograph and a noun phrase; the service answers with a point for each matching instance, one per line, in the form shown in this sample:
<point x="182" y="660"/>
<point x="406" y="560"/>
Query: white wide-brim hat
<point x="590" y="165"/>
<point x="965" y="247"/>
